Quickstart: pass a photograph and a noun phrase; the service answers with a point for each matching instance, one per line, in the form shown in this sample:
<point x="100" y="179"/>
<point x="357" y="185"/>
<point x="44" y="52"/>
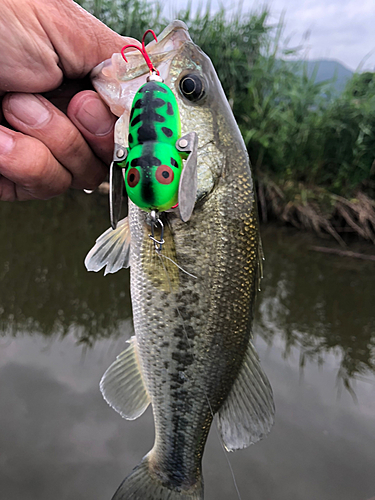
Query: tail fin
<point x="143" y="484"/>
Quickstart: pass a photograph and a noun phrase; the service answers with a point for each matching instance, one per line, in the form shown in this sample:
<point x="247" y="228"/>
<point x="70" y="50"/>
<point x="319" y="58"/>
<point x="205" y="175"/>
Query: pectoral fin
<point x="111" y="250"/>
<point x="247" y="414"/>
<point x="187" y="192"/>
<point x="122" y="384"/>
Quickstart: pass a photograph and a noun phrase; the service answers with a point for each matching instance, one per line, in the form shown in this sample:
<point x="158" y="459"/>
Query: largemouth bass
<point x="191" y="356"/>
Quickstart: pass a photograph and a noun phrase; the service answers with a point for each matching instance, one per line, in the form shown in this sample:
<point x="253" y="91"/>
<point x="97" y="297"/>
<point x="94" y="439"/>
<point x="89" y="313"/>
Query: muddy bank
<point x="317" y="210"/>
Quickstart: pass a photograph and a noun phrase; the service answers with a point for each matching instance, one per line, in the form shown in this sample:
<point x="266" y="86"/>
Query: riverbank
<point x="315" y="209"/>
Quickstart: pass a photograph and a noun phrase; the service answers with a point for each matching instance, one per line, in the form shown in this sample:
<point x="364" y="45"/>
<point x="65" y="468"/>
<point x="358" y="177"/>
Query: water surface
<point x="61" y="327"/>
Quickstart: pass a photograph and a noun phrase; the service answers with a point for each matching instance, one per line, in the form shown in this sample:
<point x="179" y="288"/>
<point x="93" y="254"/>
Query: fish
<point x="192" y="356"/>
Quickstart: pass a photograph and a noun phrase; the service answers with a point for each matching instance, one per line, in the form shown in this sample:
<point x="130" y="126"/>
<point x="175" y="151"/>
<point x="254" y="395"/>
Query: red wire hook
<point x="151" y="67"/>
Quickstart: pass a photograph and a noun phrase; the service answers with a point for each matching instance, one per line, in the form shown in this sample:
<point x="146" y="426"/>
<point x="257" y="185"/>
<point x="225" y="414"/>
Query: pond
<point x="61" y="327"/>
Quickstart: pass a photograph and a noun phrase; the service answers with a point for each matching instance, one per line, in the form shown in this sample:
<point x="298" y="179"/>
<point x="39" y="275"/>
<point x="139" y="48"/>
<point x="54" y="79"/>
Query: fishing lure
<point x="156" y="178"/>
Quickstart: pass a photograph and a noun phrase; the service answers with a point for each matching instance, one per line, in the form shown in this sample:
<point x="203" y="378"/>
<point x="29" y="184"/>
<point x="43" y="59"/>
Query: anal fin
<point x="247" y="414"/>
<point x="122" y="385"/>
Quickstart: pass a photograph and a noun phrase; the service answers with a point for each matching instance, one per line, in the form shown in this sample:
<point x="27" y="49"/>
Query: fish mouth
<point x="174" y="26"/>
<point x="118" y="81"/>
<point x="171" y="38"/>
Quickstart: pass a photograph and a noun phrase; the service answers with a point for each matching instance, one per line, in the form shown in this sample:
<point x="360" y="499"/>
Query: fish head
<point x="202" y="104"/>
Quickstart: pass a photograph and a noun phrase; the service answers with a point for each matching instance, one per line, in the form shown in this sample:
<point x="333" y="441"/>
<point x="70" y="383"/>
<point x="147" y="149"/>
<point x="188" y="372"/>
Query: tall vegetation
<point x="310" y="148"/>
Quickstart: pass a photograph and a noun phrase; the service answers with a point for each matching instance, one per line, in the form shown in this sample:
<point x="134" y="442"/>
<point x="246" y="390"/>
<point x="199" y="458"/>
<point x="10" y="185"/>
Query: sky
<point x="343" y="30"/>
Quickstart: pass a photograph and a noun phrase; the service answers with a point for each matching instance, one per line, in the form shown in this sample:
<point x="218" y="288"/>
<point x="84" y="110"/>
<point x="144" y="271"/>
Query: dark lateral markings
<point x="174" y="163"/>
<point x="167" y="131"/>
<point x="145" y="116"/>
<point x="169" y="109"/>
<point x="158" y="102"/>
<point x="146" y="160"/>
<point x="130" y="138"/>
<point x="159" y="118"/>
<point x="136" y="120"/>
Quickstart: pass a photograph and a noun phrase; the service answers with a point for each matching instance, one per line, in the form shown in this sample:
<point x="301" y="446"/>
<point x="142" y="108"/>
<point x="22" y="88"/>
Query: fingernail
<point x="6" y="143"/>
<point x="95" y="117"/>
<point x="29" y="109"/>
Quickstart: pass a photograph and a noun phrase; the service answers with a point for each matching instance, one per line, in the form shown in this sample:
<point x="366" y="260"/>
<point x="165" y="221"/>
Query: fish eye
<point x="164" y="174"/>
<point x="192" y="87"/>
<point x="133" y="177"/>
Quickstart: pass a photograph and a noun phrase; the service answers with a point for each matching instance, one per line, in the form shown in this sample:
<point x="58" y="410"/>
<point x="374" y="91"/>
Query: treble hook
<point x="151" y="67"/>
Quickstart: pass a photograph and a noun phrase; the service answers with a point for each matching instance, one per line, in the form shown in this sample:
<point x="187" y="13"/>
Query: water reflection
<point x="45" y="287"/>
<point x="318" y="303"/>
<point x="59" y="439"/>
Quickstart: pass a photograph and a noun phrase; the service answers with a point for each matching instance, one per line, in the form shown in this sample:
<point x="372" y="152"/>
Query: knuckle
<point x="36" y="169"/>
<point x="71" y="144"/>
<point x="87" y="170"/>
<point x="44" y="177"/>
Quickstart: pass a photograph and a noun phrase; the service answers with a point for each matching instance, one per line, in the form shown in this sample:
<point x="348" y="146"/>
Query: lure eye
<point x="164" y="174"/>
<point x="192" y="87"/>
<point x="133" y="177"/>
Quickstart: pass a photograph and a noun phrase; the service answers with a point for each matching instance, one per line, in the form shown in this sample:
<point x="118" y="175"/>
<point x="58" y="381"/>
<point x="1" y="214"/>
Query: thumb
<point x="80" y="40"/>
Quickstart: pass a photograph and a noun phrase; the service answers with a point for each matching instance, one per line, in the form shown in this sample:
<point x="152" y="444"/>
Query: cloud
<point x="339" y="29"/>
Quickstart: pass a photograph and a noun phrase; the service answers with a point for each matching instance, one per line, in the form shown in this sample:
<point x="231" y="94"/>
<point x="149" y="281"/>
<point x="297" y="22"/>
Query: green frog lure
<point x="156" y="177"/>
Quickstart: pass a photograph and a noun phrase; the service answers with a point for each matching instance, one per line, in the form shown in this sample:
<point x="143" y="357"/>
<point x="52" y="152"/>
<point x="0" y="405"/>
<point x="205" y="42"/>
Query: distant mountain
<point x="326" y="69"/>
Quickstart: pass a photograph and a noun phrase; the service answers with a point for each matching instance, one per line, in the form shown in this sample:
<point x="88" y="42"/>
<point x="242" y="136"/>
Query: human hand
<point x="46" y="151"/>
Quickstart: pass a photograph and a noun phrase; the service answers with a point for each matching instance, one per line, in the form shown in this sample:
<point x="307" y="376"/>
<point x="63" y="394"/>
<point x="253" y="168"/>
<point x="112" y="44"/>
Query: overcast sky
<point x="338" y="29"/>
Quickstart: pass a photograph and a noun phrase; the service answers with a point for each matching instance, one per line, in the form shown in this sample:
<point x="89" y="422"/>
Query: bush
<point x="295" y="129"/>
